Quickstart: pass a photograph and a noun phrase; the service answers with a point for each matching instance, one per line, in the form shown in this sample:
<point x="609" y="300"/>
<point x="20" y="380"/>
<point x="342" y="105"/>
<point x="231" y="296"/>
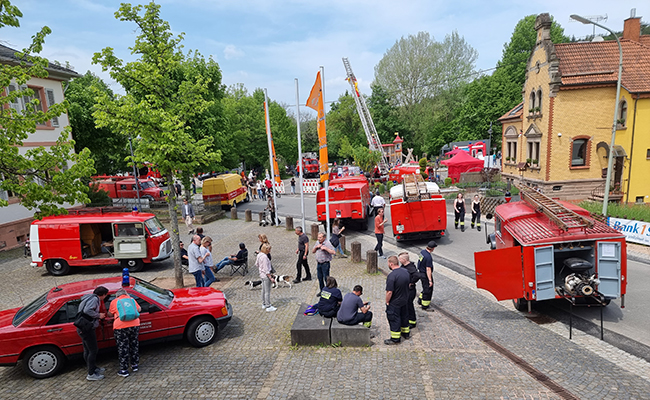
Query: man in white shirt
<point x="377" y="203"/>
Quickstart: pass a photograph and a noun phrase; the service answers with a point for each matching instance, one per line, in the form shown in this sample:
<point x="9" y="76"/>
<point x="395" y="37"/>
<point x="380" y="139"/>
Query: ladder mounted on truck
<point x="366" y="120"/>
<point x="414" y="187"/>
<point x="564" y="218"/>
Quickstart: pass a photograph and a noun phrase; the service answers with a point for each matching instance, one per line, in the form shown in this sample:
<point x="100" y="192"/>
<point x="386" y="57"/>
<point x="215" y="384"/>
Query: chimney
<point x="632" y="29"/>
<point x="543" y="27"/>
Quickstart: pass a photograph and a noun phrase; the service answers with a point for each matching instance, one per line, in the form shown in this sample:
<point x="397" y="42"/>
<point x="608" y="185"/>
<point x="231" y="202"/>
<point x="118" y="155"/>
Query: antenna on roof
<point x="56" y="286"/>
<point x="596" y="18"/>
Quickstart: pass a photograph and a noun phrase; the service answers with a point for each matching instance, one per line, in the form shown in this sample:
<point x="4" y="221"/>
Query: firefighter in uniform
<point x="425" y="266"/>
<point x="414" y="278"/>
<point x="397" y="288"/>
<point x="476" y="212"/>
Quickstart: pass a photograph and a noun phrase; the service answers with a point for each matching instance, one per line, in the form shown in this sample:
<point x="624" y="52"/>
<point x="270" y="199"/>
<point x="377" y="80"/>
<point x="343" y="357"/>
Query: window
<point x="647" y="154"/>
<point x="533" y="152"/>
<point x="539" y="100"/>
<point x="129" y="229"/>
<point x="622" y="112"/>
<point x="579" y="153"/>
<point x="639" y="199"/>
<point x="532" y="101"/>
<point x="66" y="313"/>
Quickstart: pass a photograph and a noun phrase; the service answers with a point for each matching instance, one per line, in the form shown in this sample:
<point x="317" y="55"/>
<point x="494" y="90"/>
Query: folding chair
<point x="240" y="266"/>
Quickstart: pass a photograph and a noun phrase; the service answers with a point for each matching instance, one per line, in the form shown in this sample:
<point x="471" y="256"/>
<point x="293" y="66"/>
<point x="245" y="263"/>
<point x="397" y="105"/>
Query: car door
<point x="59" y="329"/>
<point x="154" y="322"/>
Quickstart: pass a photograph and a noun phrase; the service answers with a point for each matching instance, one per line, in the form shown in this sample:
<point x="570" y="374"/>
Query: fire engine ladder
<point x="564" y="218"/>
<point x="366" y="120"/>
<point x="414" y="187"/>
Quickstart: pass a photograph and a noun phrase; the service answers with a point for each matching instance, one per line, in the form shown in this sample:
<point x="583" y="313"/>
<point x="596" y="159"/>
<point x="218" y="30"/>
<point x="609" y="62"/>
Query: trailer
<point x="549" y="249"/>
<point x="418" y="210"/>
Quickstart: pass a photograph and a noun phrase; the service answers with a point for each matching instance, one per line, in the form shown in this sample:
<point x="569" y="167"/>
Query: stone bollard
<point x="314" y="231"/>
<point x="289" y="221"/>
<point x="371" y="261"/>
<point x="233" y="213"/>
<point x="262" y="216"/>
<point x="356" y="252"/>
<point x="342" y="241"/>
<point x="249" y="215"/>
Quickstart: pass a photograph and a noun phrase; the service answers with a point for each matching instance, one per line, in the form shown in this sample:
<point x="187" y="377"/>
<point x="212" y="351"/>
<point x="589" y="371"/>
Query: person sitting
<point x="240" y="256"/>
<point x="184" y="258"/>
<point x="330" y="299"/>
<point x="349" y="313"/>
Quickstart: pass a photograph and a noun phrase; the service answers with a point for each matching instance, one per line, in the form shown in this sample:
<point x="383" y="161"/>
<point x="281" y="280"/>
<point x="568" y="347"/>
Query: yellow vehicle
<point x="225" y="190"/>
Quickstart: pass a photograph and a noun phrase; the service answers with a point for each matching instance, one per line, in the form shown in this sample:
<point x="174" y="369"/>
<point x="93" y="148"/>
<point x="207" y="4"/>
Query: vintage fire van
<point x="96" y="236"/>
<point x="417" y="209"/>
<point x="349" y="200"/>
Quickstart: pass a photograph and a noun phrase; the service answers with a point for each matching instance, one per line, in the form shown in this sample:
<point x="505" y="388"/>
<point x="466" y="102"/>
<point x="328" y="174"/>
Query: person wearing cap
<point x="425" y="266"/>
<point x="241" y="254"/>
<point x="397" y="294"/>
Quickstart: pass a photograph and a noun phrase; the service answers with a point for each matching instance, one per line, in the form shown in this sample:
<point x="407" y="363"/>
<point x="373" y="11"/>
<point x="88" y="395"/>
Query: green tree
<point x="365" y="158"/>
<point x="158" y="104"/>
<point x="108" y="149"/>
<point x="343" y="122"/>
<point x="385" y="114"/>
<point x="43" y="179"/>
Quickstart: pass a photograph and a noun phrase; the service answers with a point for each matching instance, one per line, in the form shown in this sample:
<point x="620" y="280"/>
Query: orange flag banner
<point x="315" y="101"/>
<point x="276" y="171"/>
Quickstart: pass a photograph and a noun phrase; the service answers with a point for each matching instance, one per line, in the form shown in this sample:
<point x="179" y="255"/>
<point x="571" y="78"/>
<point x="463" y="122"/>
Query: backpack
<point x="127" y="309"/>
<point x="312" y="310"/>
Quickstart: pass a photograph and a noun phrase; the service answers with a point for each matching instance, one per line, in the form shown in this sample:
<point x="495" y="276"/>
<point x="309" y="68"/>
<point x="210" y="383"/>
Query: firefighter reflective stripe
<point x="395" y="335"/>
<point x="406" y="330"/>
<point x="426" y="303"/>
<point x="413" y="322"/>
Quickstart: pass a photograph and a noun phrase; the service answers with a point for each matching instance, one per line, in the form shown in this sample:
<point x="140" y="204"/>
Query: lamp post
<point x="610" y="161"/>
<point x="135" y="174"/>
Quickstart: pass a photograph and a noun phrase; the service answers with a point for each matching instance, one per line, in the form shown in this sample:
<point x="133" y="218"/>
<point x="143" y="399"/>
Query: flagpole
<point x="268" y="140"/>
<point x="327" y="182"/>
<point x="302" y="195"/>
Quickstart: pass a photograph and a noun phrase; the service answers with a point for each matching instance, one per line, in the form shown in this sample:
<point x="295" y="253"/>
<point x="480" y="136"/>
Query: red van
<point x="121" y="187"/>
<point x="90" y="237"/>
<point x="397" y="172"/>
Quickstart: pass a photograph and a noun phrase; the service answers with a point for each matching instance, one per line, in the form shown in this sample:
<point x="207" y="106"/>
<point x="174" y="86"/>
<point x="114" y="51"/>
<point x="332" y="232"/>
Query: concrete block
<point x="310" y="330"/>
<point x="350" y="335"/>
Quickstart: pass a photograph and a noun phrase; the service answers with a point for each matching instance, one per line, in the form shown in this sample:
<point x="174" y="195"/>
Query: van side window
<point x="497" y="225"/>
<point x="129" y="229"/>
<point x="122" y="187"/>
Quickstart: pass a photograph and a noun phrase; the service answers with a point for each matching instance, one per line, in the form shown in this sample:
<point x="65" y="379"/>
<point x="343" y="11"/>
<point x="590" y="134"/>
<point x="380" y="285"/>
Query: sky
<point x="270" y="43"/>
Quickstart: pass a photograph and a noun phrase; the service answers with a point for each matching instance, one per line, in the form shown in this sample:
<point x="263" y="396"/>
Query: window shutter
<point x="16" y="104"/>
<point x="50" y="102"/>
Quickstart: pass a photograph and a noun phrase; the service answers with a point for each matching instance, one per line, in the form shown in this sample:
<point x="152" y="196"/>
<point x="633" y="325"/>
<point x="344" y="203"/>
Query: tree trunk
<point x="173" y="215"/>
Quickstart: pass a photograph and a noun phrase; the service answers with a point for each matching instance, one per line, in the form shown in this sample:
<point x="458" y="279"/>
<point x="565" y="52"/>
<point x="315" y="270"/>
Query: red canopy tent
<point x="454" y="152"/>
<point x="460" y="163"/>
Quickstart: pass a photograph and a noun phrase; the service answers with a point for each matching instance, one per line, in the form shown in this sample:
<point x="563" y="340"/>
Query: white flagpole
<point x="268" y="140"/>
<point x="302" y="194"/>
<point x="327" y="182"/>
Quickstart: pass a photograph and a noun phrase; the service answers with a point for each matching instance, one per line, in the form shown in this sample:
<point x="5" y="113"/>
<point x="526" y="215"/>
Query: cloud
<point x="231" y="52"/>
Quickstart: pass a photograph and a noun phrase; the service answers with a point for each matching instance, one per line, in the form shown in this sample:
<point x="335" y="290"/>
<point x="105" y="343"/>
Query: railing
<point x="615" y="194"/>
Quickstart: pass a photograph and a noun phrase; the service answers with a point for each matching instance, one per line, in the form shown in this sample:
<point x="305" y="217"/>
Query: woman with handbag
<point x="263" y="264"/>
<point x="337" y="230"/>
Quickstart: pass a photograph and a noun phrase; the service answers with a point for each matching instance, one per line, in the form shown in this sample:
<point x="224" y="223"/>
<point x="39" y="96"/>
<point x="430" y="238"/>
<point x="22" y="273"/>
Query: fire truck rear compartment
<point x="575" y="268"/>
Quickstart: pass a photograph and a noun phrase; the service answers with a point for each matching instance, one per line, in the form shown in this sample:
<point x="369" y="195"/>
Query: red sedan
<point x="42" y="336"/>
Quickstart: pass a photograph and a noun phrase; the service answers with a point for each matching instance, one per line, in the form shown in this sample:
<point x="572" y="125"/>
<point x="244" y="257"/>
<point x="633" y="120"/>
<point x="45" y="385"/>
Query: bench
<point x="310" y="330"/>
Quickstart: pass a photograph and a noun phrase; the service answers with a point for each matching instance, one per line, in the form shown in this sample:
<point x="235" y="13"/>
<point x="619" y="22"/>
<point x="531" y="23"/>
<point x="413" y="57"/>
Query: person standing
<point x="476" y="212"/>
<point x="303" y="251"/>
<point x="90" y="307"/>
<point x="260" y="190"/>
<point x="330" y="299"/>
<point x="414" y="277"/>
<point x="263" y="264"/>
<point x="377" y="202"/>
<point x="179" y="189"/>
<point x="126" y="335"/>
<point x="208" y="264"/>
<point x="293" y="186"/>
<point x="397" y="293"/>
<point x="271" y="207"/>
<point x="337" y="230"/>
<point x="459" y="212"/>
<point x="425" y="266"/>
<point x="187" y="211"/>
<point x="379" y="232"/>
<point x="252" y="189"/>
<point x="195" y="260"/>
<point x="323" y="250"/>
<point x="351" y="305"/>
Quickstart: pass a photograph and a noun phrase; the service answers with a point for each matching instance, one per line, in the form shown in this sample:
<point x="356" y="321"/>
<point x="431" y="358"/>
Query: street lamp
<point x="610" y="161"/>
<point x="135" y="174"/>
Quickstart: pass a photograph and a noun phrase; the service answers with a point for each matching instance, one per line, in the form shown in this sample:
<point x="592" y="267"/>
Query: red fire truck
<point x="124" y="187"/>
<point x="399" y="171"/>
<point x="97" y="236"/>
<point x="349" y="199"/>
<point x="311" y="168"/>
<point x="417" y="209"/>
<point x="549" y="249"/>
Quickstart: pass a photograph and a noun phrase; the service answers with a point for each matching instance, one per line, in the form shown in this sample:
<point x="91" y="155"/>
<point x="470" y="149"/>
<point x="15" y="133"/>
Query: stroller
<point x="268" y="218"/>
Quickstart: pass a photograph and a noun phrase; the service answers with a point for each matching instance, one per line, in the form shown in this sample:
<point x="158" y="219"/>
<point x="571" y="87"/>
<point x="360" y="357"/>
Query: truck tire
<point x="520" y="304"/>
<point x="364" y="224"/>
<point x="58" y="267"/>
<point x="134" y="265"/>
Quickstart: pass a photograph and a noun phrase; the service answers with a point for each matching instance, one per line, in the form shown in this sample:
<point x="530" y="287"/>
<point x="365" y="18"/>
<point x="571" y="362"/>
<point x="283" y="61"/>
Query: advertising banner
<point x="634" y="231"/>
<point x="315" y="101"/>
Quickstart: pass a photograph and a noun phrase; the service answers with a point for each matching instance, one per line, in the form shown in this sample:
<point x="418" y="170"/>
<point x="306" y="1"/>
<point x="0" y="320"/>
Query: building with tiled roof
<point x="559" y="140"/>
<point x="15" y="219"/>
<point x="393" y="151"/>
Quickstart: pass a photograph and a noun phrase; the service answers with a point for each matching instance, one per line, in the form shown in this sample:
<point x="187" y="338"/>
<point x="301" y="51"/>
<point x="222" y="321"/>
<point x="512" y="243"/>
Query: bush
<point x="447" y="181"/>
<point x="389" y="185"/>
<point x="98" y="197"/>
<point x="423" y="163"/>
<point x="380" y="186"/>
<point x="637" y="212"/>
<point x="493" y="193"/>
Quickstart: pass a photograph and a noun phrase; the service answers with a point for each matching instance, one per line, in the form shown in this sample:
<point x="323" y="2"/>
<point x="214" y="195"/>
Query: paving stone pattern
<point x="253" y="357"/>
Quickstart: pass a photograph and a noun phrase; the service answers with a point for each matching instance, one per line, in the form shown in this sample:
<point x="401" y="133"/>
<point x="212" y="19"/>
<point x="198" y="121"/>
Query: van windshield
<point x="147" y="185"/>
<point x="154" y="226"/>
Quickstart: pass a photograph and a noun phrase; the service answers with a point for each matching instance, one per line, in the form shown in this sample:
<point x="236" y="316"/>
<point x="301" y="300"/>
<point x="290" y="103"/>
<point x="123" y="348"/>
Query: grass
<point x="626" y="211"/>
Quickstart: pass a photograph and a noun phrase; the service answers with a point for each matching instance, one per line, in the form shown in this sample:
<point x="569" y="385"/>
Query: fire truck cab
<point x="349" y="200"/>
<point x="399" y="171"/>
<point x="90" y="237"/>
<point x="418" y="210"/>
<point x="311" y="168"/>
<point x="549" y="249"/>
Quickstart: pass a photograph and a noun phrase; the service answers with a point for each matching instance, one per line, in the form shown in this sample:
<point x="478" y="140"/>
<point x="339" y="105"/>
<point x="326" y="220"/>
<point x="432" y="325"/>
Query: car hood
<point x="7" y="316"/>
<point x="197" y="297"/>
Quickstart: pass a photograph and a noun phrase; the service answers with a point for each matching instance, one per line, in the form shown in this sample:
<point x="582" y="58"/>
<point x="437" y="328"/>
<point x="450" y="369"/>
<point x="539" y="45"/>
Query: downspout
<point x="629" y="170"/>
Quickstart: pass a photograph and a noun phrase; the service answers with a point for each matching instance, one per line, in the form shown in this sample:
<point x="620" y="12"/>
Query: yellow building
<point x="558" y="138"/>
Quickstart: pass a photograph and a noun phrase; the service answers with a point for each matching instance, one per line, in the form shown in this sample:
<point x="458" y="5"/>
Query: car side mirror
<point x="153" y="308"/>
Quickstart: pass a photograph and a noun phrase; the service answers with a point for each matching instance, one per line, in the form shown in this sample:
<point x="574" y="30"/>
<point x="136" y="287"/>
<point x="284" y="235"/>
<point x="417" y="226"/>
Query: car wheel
<point x="520" y="304"/>
<point x="134" y="265"/>
<point x="43" y="362"/>
<point x="364" y="224"/>
<point x="248" y="198"/>
<point x="58" y="267"/>
<point x="201" y="332"/>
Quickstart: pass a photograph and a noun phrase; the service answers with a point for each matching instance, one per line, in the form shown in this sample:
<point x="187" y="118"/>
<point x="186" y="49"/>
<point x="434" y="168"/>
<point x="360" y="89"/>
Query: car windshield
<point x="154" y="226"/>
<point x="29" y="309"/>
<point x="155" y="293"/>
<point x="146" y="185"/>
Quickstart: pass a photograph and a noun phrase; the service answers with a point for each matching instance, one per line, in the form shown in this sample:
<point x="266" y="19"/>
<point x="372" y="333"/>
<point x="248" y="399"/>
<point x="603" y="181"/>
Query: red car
<point x="42" y="336"/>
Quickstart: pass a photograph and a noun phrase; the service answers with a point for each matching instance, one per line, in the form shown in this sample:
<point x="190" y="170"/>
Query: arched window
<point x="532" y="101"/>
<point x="539" y="100"/>
<point x="622" y="112"/>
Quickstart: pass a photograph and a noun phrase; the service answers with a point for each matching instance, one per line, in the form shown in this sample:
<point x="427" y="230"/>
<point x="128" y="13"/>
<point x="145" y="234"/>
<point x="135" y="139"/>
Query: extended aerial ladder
<point x="563" y="217"/>
<point x="366" y="120"/>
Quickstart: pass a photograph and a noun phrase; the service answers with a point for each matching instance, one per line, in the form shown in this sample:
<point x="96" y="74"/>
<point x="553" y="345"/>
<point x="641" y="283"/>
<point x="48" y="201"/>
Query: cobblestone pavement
<point x="253" y="357"/>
